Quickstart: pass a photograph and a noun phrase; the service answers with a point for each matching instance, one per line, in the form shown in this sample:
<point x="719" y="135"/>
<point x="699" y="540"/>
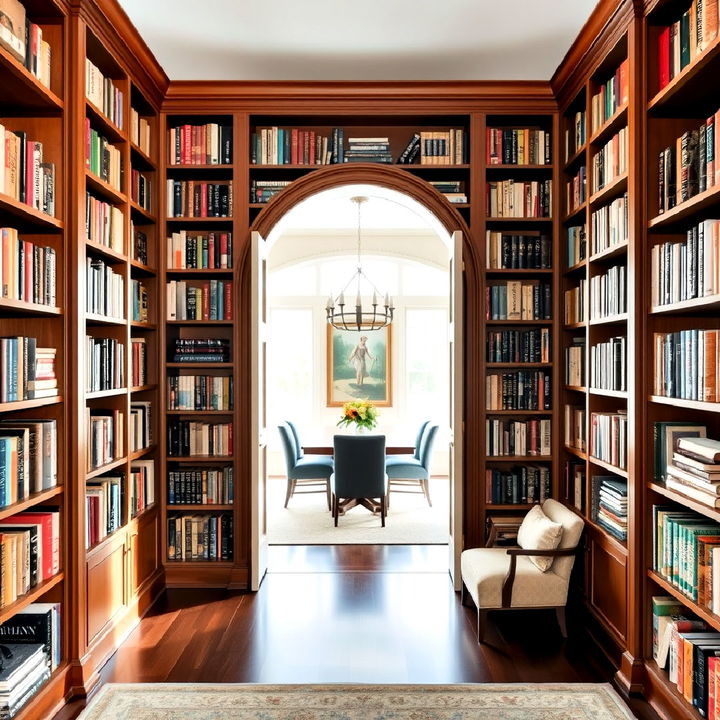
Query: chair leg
<point x="290" y="491"/>
<point x="335" y="509"/>
<point x="382" y="510"/>
<point x="560" y="612"/>
<point x="327" y="493"/>
<point x="426" y="490"/>
<point x="481" y="622"/>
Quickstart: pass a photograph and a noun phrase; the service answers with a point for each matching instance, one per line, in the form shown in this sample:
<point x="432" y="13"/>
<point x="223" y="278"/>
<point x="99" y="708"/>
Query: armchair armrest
<point x="513" y="552"/>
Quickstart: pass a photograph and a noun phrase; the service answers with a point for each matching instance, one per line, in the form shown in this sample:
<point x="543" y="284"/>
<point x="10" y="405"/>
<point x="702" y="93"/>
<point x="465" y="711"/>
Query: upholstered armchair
<point x="534" y="575"/>
<point x="313" y="475"/>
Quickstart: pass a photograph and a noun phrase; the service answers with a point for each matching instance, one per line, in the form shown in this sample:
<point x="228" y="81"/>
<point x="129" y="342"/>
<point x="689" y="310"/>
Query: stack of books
<point x="517" y="146"/>
<point x="262" y="191"/>
<point x="201" y="350"/>
<point x="610" y="505"/>
<point x="518" y="390"/>
<point x="292" y="146"/>
<point x="38" y="623"/>
<point x="694" y="470"/>
<point x="370" y="149"/>
<point x="25" y="669"/>
<point x="190" y="198"/>
<point x="187" y="438"/>
<point x="200" y="486"/>
<point x="518" y="198"/>
<point x="451" y="189"/>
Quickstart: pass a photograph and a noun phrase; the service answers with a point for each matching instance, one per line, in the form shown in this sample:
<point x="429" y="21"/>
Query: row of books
<point x="575" y="133"/>
<point x="453" y="190"/>
<point x="140" y="429"/>
<point x="102" y="158"/>
<point x="518" y="390"/>
<point x="608" y="365"/>
<point x="609" y="504"/>
<point x="201" y="486"/>
<point x="687" y="365"/>
<point x="612" y="95"/>
<point x="199" y="250"/>
<point x="27" y="270"/>
<point x="688" y="166"/>
<point x="105" y="364"/>
<point x="23" y="38"/>
<point x="681" y="42"/>
<point x="575" y="363"/>
<point x="201" y="350"/>
<point x="198" y="300"/>
<point x="609" y="225"/>
<point x="142" y="486"/>
<point x="608" y="437"/>
<point x="518" y="146"/>
<point x="138" y="362"/>
<point x="262" y="191"/>
<point x="200" y="392"/>
<point x="608" y="293"/>
<point x="611" y="160"/>
<point x="685" y="646"/>
<point x="104" y="224"/>
<point x="576" y="244"/>
<point x="139" y="244"/>
<point x="576" y="189"/>
<point x="104" y="290"/>
<point x="104" y="498"/>
<point x="200" y="537"/>
<point x="140" y="132"/>
<point x="24" y="174"/>
<point x="518" y="346"/>
<point x="574" y="307"/>
<point x="517" y="198"/>
<point x="284" y="146"/>
<point x="27" y="372"/>
<point x="689" y="268"/>
<point x="104" y="94"/>
<point x="207" y="144"/>
<point x="29" y="552"/>
<point x="575" y="428"/>
<point x="693" y="469"/>
<point x="105" y="441"/>
<point x="518" y="300"/>
<point x="437" y="147"/>
<point x="28" y="458"/>
<point x="139" y="301"/>
<point x="188" y="438"/>
<point x="522" y="485"/>
<point x="190" y="198"/>
<point x="141" y="190"/>
<point x="518" y="437"/>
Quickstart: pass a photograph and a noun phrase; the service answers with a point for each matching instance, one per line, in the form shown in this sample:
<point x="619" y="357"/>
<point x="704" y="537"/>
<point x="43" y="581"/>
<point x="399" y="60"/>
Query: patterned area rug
<point x="582" y="701"/>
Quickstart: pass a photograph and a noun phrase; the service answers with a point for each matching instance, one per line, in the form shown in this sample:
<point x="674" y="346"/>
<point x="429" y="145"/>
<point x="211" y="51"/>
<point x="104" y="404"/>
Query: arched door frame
<point x="393" y="178"/>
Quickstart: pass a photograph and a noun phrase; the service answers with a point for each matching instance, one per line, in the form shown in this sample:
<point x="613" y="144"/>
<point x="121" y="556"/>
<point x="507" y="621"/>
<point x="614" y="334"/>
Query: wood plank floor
<point x="367" y="614"/>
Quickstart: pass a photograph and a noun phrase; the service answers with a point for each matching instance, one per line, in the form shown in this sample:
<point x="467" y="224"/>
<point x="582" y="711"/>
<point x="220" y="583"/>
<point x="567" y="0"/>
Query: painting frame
<point x="336" y="396"/>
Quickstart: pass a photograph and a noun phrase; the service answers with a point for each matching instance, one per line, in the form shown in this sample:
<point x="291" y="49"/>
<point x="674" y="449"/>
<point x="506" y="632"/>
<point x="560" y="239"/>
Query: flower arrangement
<point x="361" y="413"/>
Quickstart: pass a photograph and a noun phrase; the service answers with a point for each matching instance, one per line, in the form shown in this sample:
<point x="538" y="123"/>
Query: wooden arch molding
<point x="419" y="190"/>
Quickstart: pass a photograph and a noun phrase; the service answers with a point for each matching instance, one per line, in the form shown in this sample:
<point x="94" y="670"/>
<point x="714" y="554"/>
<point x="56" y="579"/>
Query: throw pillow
<point x="539" y="532"/>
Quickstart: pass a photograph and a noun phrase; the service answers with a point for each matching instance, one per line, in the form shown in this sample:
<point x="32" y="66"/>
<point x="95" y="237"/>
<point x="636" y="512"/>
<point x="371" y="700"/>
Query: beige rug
<point x="307" y="521"/>
<point x="357" y="702"/>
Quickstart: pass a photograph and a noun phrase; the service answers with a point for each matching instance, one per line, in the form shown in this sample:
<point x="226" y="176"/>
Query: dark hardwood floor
<point x="365" y="614"/>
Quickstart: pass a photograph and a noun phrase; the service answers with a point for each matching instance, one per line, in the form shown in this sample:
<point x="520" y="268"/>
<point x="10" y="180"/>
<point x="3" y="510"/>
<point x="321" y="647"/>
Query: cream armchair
<point x="503" y="578"/>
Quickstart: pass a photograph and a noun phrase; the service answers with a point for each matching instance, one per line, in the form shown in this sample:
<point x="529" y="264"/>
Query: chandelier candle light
<point x="345" y="317"/>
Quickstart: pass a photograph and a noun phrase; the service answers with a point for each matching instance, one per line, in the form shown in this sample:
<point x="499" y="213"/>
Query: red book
<point x="186" y="145"/>
<point x="663" y="58"/>
<point x="311" y="150"/>
<point x="27" y="294"/>
<point x="50" y="531"/>
<point x="223" y="250"/>
<point x="211" y="250"/>
<point x="206" y="301"/>
<point x="227" y="300"/>
<point x="30" y="172"/>
<point x="203" y="199"/>
<point x="294" y="147"/>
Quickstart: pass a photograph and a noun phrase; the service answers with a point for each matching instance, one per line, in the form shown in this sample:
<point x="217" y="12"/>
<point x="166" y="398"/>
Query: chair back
<point x="572" y="530"/>
<point x="419" y="439"/>
<point x="359" y="466"/>
<point x="427" y="446"/>
<point x="296" y="437"/>
<point x="289" y="447"/>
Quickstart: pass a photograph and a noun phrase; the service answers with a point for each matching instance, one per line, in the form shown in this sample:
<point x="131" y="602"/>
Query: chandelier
<point x="344" y="316"/>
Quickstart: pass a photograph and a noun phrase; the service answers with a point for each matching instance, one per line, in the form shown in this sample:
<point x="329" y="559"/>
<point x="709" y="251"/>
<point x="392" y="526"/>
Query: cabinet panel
<point x="105" y="587"/>
<point x="143" y="555"/>
<point x="608" y="584"/>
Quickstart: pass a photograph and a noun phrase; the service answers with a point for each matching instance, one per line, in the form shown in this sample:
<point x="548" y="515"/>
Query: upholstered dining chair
<point x="311" y="474"/>
<point x="359" y="477"/>
<point x="413" y="471"/>
<point x="534" y="575"/>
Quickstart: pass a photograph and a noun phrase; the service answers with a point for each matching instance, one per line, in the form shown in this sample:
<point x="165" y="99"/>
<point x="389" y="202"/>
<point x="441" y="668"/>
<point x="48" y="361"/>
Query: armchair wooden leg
<point x="482" y="621"/>
<point x="290" y="490"/>
<point x="426" y="489"/>
<point x="382" y="510"/>
<point x="560" y="612"/>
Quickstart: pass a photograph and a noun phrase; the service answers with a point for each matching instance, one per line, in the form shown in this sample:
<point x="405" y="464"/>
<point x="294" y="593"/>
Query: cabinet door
<point x="608" y="583"/>
<point x="106" y="580"/>
<point x="142" y="553"/>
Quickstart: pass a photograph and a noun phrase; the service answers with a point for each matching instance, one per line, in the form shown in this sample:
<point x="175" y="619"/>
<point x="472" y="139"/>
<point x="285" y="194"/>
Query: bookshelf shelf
<point x="142" y="269"/>
<point x="30" y="404"/>
<point x="224" y="459"/>
<point x="93" y="319"/>
<point x="609" y="393"/>
<point x="517" y="412"/>
<point x="110" y="537"/>
<point x="200" y="507"/>
<point x="513" y="167"/>
<point x="104" y="189"/>
<point x="519" y="271"/>
<point x="610" y="126"/>
<point x="114" y="465"/>
<point x="608" y="466"/>
<point x="19" y="82"/>
<point x="199" y="220"/>
<point x="518" y="365"/>
<point x="572" y="161"/>
<point x="711" y="407"/>
<point x="141" y="214"/>
<point x="578" y="267"/>
<point x="523" y="220"/>
<point x="672" y="699"/>
<point x="103" y="124"/>
<point x="142" y="452"/>
<point x="226" y="413"/>
<point x="687" y="210"/>
<point x="710" y="303"/>
<point x="577" y="453"/>
<point x="105" y="252"/>
<point x="610" y="191"/>
<point x="30" y="501"/>
<point x="135" y="325"/>
<point x="198" y="366"/>
<point x="199" y="322"/>
<point x="27" y="308"/>
<point x="141" y="160"/>
<point x="194" y="168"/>
<point x="200" y="271"/>
<point x="575" y="326"/>
<point x="575" y="388"/>
<point x="518" y="458"/>
<point x="710" y="618"/>
<point x="29" y="217"/>
<point x="31" y="596"/>
<point x="609" y="253"/>
<point x="706" y="510"/>
<point x="142" y="388"/>
<point x="518" y="322"/>
<point x="610" y="320"/>
<point x="105" y="393"/>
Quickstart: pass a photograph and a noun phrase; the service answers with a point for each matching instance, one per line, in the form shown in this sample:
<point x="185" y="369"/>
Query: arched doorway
<point x="464" y="356"/>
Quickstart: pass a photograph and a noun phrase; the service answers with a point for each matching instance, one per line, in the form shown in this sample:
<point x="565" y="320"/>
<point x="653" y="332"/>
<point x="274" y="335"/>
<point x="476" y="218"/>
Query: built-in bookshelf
<point x="34" y="257"/>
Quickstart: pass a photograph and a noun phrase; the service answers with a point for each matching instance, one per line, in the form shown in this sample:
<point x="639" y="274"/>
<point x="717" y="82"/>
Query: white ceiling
<point x="350" y="40"/>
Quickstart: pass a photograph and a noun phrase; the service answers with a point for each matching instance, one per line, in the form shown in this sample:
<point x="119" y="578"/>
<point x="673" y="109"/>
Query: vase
<point x="361" y="430"/>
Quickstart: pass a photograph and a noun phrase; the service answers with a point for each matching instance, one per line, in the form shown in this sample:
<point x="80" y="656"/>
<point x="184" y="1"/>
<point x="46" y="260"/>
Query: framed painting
<point x="359" y="366"/>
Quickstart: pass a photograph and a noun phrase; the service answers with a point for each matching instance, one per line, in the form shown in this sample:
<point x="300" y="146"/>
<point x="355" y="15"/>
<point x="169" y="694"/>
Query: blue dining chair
<point x="302" y="471"/>
<point x="406" y="471"/>
<point x="359" y="477"/>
